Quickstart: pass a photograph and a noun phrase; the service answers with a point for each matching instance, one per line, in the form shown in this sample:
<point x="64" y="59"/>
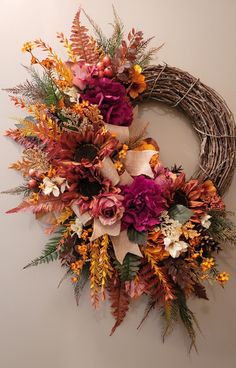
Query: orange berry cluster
<point x="104" y="67"/>
<point x="76" y="268"/>
<point x="86" y="234"/>
<point x="82" y="249"/>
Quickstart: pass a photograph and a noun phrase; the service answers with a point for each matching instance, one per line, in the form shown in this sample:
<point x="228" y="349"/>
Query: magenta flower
<point x="108" y="208"/>
<point x="143" y="204"/>
<point x="111" y="98"/>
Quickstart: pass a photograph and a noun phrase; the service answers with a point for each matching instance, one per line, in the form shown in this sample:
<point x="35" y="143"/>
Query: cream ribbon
<point x="137" y="162"/>
<point x="122" y="245"/>
<point x="123" y="133"/>
<point x="99" y="229"/>
<point x="108" y="171"/>
<point x="84" y="218"/>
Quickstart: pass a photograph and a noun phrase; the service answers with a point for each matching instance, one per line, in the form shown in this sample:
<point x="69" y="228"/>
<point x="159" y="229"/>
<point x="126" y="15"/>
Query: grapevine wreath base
<point x="209" y="114"/>
<point x="121" y="220"/>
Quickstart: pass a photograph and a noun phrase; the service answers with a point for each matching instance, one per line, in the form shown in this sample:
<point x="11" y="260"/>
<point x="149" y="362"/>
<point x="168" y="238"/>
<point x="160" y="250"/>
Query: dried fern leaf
<point x="82" y="44"/>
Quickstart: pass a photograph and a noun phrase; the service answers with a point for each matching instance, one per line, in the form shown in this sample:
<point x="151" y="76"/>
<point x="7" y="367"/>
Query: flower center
<point x="109" y="212"/>
<point x="89" y="188"/>
<point x="181" y="198"/>
<point x="135" y="86"/>
<point x="138" y="203"/>
<point x="86" y="151"/>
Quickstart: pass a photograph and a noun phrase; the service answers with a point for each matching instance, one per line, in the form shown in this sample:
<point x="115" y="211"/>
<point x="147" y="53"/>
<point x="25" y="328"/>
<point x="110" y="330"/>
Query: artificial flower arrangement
<point x="121" y="220"/>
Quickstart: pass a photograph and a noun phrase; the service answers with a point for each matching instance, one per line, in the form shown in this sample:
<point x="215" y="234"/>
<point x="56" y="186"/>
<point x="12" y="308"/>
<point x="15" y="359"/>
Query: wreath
<point x="119" y="218"/>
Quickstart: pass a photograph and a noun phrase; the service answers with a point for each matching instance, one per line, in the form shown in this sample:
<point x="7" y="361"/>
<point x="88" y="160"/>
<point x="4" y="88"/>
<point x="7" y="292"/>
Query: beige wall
<point x="40" y="326"/>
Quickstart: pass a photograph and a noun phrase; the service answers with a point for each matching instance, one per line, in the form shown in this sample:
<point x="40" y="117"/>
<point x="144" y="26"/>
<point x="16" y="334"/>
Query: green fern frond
<point x="188" y="318"/>
<point x="129" y="268"/>
<point x="222" y="228"/>
<point x="118" y="32"/>
<point x="145" y="59"/>
<point x="28" y="90"/>
<point x="50" y="252"/>
<point x="177" y="309"/>
<point x="170" y="313"/>
<point x="21" y="189"/>
<point x="100" y="37"/>
<point x="67" y="274"/>
<point x="40" y="89"/>
<point x="45" y="89"/>
<point x="49" y="91"/>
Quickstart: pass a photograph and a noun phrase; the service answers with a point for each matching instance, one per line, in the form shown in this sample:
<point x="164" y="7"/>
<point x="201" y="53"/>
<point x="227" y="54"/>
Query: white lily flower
<point x="175" y="248"/>
<point x="205" y="221"/>
<point x="77" y="227"/>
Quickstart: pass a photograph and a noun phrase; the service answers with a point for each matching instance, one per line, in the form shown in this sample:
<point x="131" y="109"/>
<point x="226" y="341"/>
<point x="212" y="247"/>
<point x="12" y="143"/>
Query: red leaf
<point x="152" y="283"/>
<point x="17" y="136"/>
<point x="45" y="204"/>
<point x="119" y="302"/>
<point x="200" y="291"/>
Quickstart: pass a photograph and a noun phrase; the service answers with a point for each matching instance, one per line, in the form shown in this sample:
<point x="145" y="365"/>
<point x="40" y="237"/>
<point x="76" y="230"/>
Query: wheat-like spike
<point x="95" y="280"/>
<point x="104" y="264"/>
<point x="158" y="272"/>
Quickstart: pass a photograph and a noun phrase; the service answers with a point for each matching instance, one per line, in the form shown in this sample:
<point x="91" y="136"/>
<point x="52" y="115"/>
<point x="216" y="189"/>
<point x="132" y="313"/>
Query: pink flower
<point x="108" y="208"/>
<point x="82" y="73"/>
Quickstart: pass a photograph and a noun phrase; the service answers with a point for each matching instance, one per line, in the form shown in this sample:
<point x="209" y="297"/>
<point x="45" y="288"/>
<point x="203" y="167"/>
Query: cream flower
<point x="54" y="186"/>
<point x="61" y="182"/>
<point x="77" y="227"/>
<point x="73" y="94"/>
<point x="205" y="221"/>
<point x="175" y="248"/>
<point x="170" y="228"/>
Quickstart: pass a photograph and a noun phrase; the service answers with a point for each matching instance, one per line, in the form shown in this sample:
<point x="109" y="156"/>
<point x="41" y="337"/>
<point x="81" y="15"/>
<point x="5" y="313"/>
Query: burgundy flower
<point x="108" y="208"/>
<point x="143" y="204"/>
<point x="111" y="98"/>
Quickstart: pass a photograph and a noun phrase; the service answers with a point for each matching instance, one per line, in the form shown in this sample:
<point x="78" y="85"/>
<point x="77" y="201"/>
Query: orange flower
<point x="210" y="196"/>
<point x="74" y="279"/>
<point x="147" y="144"/>
<point x="222" y="278"/>
<point x="33" y="60"/>
<point x="61" y="104"/>
<point x="207" y="264"/>
<point x="47" y="63"/>
<point x="209" y="187"/>
<point x="28" y="46"/>
<point x="138" y="84"/>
